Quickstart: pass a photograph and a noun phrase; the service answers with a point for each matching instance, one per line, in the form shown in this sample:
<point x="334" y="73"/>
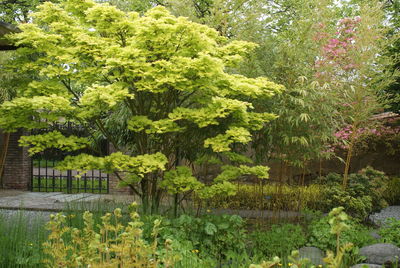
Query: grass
<point x="78" y="185"/>
<point x="42" y="163"/>
<point x="21" y="240"/>
<point x="22" y="233"/>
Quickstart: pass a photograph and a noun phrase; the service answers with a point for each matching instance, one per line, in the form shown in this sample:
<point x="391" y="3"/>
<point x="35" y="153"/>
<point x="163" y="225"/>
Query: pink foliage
<point x="344" y="135"/>
<point x="336" y="50"/>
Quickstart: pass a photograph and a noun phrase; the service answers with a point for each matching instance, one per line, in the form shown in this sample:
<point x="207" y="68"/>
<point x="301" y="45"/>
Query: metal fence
<point x="46" y="178"/>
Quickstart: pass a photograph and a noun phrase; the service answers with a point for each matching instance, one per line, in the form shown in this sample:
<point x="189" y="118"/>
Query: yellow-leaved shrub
<point x="270" y="197"/>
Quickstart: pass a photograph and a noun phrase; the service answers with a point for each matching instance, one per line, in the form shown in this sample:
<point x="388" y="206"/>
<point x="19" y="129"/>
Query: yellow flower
<point x="208" y="211"/>
<point x="279" y="264"/>
<point x="290" y="264"/>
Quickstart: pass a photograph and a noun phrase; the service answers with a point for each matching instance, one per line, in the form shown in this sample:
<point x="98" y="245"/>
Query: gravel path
<point x="389" y="212"/>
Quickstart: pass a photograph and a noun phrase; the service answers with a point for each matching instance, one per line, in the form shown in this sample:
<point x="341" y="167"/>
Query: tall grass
<point x="22" y="233"/>
<point x="21" y="238"/>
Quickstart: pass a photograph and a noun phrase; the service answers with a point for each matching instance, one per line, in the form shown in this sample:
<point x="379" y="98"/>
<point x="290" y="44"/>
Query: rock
<point x="312" y="253"/>
<point x="380" y="253"/>
<point x="388" y="212"/>
<point x="375" y="235"/>
<point x="362" y="265"/>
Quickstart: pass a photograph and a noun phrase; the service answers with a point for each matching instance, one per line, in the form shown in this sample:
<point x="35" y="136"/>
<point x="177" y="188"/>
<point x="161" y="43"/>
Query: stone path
<point x="56" y="201"/>
<point x="389" y="212"/>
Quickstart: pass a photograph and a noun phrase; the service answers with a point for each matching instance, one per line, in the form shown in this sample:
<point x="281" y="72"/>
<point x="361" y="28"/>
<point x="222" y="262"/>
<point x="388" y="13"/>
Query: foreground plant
<point x="337" y="220"/>
<point x="338" y="223"/>
<point x="113" y="245"/>
<point x="275" y="262"/>
<point x="294" y="262"/>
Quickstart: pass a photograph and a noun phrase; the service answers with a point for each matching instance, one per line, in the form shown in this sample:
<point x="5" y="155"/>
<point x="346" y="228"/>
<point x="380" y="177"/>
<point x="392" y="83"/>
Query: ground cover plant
<point x="104" y="237"/>
<point x="390" y="231"/>
<point x="280" y="240"/>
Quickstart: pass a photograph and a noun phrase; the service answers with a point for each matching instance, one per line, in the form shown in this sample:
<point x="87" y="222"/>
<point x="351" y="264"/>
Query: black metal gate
<point x="46" y="178"/>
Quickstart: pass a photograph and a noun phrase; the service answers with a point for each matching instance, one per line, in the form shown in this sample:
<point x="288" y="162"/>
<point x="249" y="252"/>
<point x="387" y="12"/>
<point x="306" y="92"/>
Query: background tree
<point x="164" y="79"/>
<point x="18" y="11"/>
<point x="291" y="39"/>
<point x="353" y="62"/>
<point x="284" y="31"/>
<point x="393" y="15"/>
<point x="12" y="12"/>
<point x="306" y="109"/>
<point x="6" y="93"/>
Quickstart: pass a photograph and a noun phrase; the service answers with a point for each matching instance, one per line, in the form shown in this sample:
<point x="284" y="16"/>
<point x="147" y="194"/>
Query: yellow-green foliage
<point x="267" y="264"/>
<point x="112" y="245"/>
<point x="392" y="192"/>
<point x="156" y="86"/>
<point x="39" y="142"/>
<point x="271" y="197"/>
<point x="338" y="222"/>
<point x="294" y="262"/>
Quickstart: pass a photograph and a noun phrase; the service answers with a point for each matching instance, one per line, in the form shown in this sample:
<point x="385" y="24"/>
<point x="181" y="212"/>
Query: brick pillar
<point x="113" y="180"/>
<point x="17" y="170"/>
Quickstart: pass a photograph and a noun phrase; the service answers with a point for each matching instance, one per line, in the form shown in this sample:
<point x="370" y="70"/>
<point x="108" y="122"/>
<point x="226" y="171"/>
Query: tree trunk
<point x="176" y="198"/>
<point x="348" y="157"/>
<point x="303" y="174"/>
<point x="145" y="195"/>
<point x="3" y="155"/>
<point x="320" y="167"/>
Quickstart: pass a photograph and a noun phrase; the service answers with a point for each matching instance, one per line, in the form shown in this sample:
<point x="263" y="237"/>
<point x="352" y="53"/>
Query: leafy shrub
<point x="371" y="182"/>
<point x="357" y="206"/>
<point x="320" y="235"/>
<point x="294" y="261"/>
<point x="390" y="232"/>
<point x="279" y="241"/>
<point x="210" y="235"/>
<point x="392" y="192"/>
<point x="270" y="197"/>
<point x="364" y="193"/>
<point x="114" y="245"/>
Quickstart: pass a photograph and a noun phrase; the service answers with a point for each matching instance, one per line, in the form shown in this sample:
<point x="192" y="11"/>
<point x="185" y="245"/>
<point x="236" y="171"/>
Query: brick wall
<point x="17" y="170"/>
<point x="378" y="159"/>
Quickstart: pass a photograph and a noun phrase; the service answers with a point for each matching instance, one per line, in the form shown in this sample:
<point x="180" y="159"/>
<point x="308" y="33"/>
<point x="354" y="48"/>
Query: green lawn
<point x="60" y="185"/>
<point x="42" y="163"/>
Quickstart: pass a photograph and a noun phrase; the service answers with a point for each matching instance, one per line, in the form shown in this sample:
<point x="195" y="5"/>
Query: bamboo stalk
<point x="348" y="157"/>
